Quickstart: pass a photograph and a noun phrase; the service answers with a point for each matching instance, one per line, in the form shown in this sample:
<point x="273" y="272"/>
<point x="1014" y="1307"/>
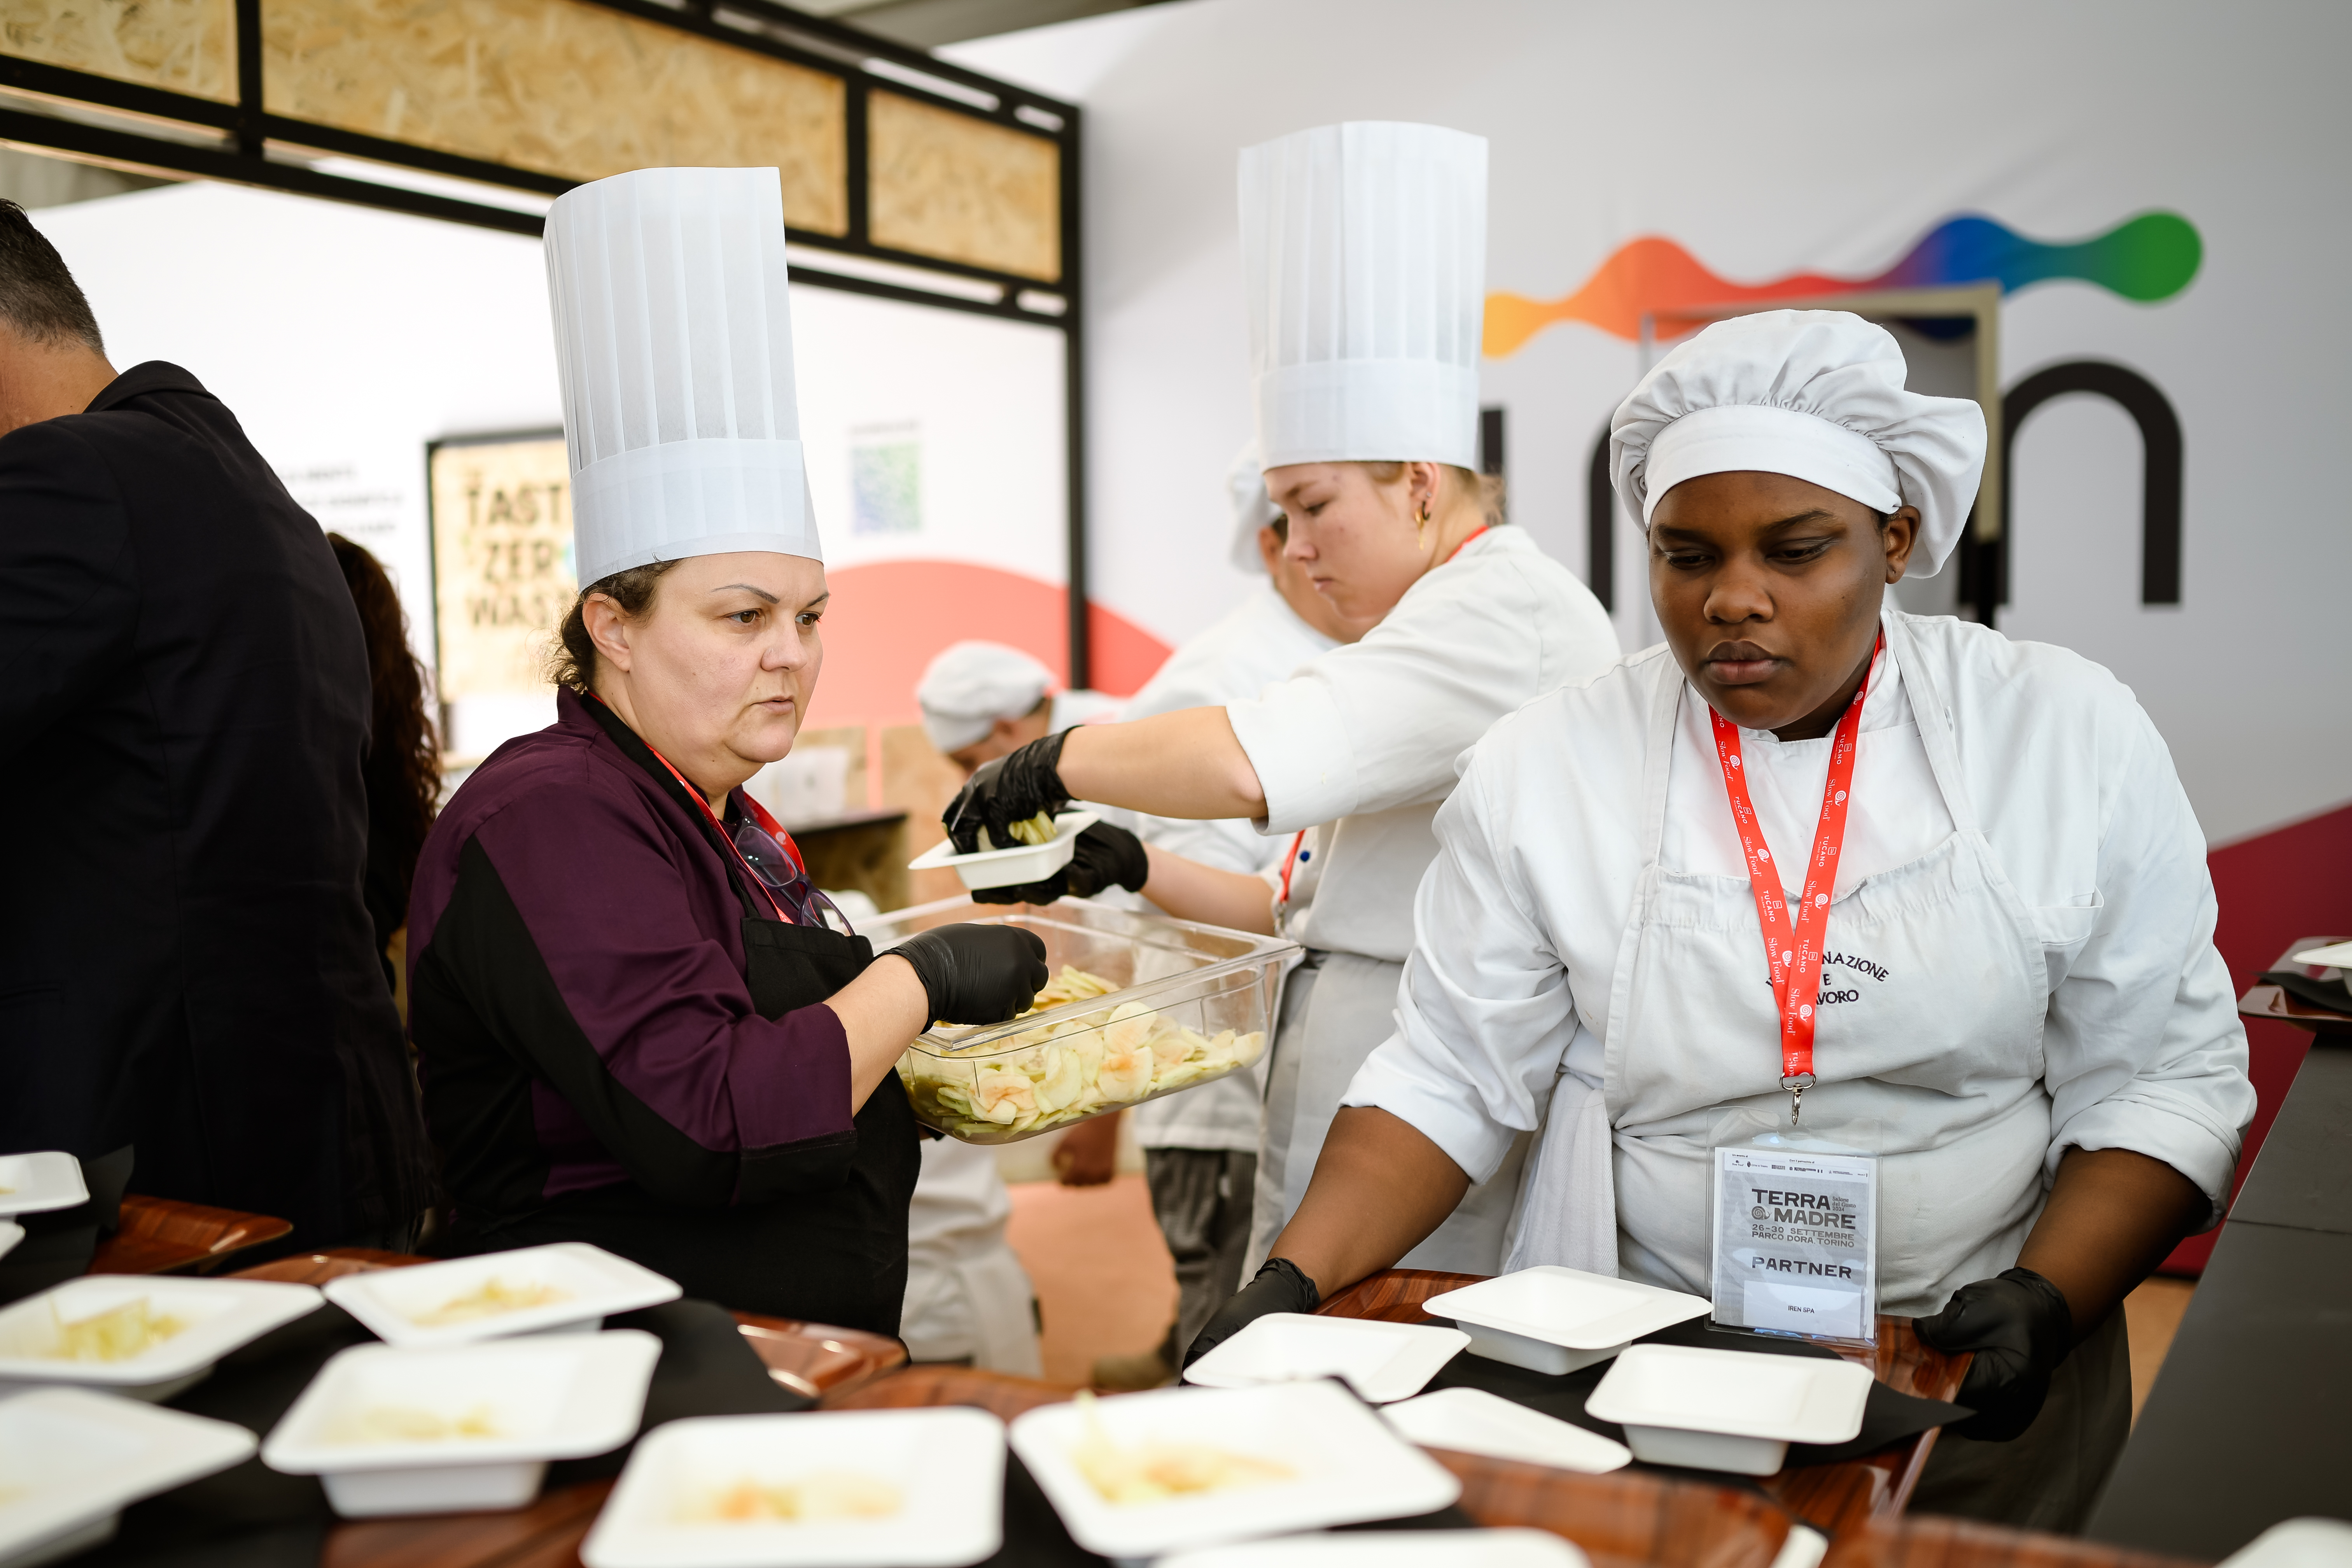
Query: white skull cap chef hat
<point x="1364" y="258"/>
<point x="674" y="343"/>
<point x="1253" y="508"/>
<point x="971" y="685"/>
<point x="1815" y="394"/>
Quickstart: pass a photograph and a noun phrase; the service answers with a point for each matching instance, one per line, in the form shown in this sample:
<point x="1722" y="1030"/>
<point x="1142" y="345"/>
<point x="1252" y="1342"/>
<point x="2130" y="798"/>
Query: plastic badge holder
<point x="1345" y="1464"/>
<point x="1552" y="1319"/>
<point x="535" y="1400"/>
<point x="38" y="1182"/>
<point x="216" y="1317"/>
<point x="1174" y="974"/>
<point x="946" y="1467"/>
<point x="1473" y="1421"/>
<point x="1392" y="1549"/>
<point x="72" y="1460"/>
<point x="1729" y="1410"/>
<point x="400" y="1305"/>
<point x="1381" y="1361"/>
<point x="1013" y="867"/>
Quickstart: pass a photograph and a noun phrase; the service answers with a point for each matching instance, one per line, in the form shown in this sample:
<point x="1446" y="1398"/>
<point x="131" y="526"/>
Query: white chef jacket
<point x="1258" y="642"/>
<point x="1364" y="737"/>
<point x="967" y="1294"/>
<point x="1521" y="919"/>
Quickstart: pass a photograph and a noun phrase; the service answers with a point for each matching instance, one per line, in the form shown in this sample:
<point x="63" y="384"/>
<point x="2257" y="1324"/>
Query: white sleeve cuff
<point x="1444" y="1111"/>
<point x="2197" y="1153"/>
<point x="1295" y="737"/>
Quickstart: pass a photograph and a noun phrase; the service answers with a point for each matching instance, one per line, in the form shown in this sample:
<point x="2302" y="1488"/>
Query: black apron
<point x="838" y="1257"/>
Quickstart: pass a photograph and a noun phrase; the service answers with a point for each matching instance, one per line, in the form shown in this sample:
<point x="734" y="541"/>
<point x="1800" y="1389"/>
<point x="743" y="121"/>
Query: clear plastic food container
<point x="1187" y="1005"/>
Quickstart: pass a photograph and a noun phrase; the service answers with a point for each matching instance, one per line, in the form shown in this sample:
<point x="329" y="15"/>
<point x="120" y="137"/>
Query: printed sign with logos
<point x="1796" y="1241"/>
<point x="502" y="562"/>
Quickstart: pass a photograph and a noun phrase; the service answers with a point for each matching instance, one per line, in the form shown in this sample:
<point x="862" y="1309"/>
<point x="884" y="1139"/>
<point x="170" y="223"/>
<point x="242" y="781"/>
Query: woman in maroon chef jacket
<point x="636" y="1022"/>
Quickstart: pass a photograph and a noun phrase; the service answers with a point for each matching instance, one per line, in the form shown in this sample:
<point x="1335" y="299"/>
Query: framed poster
<point x="503" y="574"/>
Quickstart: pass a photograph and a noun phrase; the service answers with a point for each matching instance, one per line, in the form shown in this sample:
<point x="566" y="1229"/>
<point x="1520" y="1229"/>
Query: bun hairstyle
<point x="572" y="663"/>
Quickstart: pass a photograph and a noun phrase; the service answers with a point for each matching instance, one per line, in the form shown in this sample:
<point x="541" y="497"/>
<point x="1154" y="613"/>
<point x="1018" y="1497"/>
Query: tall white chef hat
<point x="674" y="341"/>
<point x="1364" y="253"/>
<point x="1253" y="508"/>
<point x="1816" y="395"/>
<point x="971" y="685"/>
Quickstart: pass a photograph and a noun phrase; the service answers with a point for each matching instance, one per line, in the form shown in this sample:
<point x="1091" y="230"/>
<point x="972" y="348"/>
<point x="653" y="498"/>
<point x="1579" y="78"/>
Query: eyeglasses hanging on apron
<point x="1795" y="1217"/>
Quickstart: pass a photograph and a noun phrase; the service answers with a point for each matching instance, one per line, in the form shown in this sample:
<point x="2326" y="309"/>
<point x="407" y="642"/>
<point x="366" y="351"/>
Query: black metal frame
<point x="178" y="133"/>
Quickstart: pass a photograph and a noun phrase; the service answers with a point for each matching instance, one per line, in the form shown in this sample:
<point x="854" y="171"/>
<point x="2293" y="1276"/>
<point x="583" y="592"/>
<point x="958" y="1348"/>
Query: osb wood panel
<point x="559" y="87"/>
<point x="945" y="184"/>
<point x="182" y="46"/>
<point x="918" y="780"/>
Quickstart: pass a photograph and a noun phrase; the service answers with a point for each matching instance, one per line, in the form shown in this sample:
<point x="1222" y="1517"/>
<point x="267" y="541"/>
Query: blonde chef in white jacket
<point x="2016" y="976"/>
<point x="1364" y="254"/>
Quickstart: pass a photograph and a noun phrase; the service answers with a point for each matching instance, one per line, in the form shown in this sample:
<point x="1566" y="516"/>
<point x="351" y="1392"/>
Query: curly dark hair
<point x="403" y="767"/>
<point x="573" y="661"/>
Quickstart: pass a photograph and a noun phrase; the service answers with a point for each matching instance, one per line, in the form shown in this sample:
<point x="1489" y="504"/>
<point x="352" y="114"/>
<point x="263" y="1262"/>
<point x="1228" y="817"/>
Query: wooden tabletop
<point x="1833" y="1498"/>
<point x="2272" y="1002"/>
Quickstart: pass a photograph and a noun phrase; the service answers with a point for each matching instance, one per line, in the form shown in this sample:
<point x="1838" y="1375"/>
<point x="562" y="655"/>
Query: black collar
<point x="155" y="376"/>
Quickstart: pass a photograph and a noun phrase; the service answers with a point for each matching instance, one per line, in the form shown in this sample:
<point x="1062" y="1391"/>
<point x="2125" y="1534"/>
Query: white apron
<point x="1688" y="998"/>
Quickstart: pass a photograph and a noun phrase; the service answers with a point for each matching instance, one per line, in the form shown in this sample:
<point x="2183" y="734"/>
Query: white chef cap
<point x="1815" y="394"/>
<point x="1253" y="508"/>
<point x="971" y="685"/>
<point x="1364" y="259"/>
<point x="673" y="344"/>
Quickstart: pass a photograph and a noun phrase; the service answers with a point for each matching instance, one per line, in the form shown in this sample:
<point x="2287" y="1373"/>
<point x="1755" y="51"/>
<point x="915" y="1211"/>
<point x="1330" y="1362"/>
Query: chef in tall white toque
<point x="1998" y="985"/>
<point x="1364" y="253"/>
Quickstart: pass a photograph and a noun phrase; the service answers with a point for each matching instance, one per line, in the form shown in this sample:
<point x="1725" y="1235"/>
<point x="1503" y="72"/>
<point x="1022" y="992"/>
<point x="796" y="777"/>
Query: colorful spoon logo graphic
<point x="2150" y="258"/>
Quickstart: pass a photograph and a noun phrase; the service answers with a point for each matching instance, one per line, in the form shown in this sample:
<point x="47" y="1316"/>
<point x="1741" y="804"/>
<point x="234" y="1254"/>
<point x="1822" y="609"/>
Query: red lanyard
<point x="1793" y="947"/>
<point x="1461" y="547"/>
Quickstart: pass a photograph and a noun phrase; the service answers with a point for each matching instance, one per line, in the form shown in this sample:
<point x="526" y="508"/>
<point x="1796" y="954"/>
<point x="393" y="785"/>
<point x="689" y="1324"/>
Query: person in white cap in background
<point x="2000" y="980"/>
<point x="1199" y="1149"/>
<point x="1364" y="250"/>
<point x="982" y="700"/>
<point x="636" y="1022"/>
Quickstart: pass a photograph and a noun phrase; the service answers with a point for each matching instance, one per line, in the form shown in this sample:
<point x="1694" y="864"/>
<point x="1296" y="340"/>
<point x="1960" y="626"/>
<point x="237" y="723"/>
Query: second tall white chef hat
<point x="1815" y="394"/>
<point x="674" y="341"/>
<point x="1364" y="256"/>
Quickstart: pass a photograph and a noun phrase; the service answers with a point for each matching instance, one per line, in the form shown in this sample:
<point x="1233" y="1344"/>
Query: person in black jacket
<point x="191" y="1000"/>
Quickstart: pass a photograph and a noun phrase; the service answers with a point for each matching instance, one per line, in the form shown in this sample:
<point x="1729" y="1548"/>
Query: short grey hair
<point x="38" y="296"/>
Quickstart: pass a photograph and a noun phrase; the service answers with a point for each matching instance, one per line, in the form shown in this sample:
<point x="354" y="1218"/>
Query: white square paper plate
<point x="220" y="1314"/>
<point x="1534" y="1315"/>
<point x="37" y="1183"/>
<point x="1729" y="1410"/>
<point x="1392" y="1549"/>
<point x="595" y="1285"/>
<point x="1473" y="1421"/>
<point x="947" y="1466"/>
<point x="1348" y="1467"/>
<point x="2334" y="955"/>
<point x="1381" y="1361"/>
<point x="70" y="1461"/>
<point x="1010" y="868"/>
<point x="560" y="1397"/>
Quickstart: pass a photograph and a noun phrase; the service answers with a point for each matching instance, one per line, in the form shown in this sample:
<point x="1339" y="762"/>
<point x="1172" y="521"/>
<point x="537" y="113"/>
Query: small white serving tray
<point x="11" y="1233"/>
<point x="1381" y="1361"/>
<point x="555" y="1398"/>
<point x="70" y="1461"/>
<point x="1392" y="1549"/>
<point x="1553" y="1319"/>
<point x="596" y="1284"/>
<point x="221" y="1315"/>
<point x="1349" y="1466"/>
<point x="947" y="1465"/>
<point x="37" y="1183"/>
<point x="1473" y="1421"/>
<point x="1729" y="1410"/>
<point x="1010" y="868"/>
<point x="2335" y="955"/>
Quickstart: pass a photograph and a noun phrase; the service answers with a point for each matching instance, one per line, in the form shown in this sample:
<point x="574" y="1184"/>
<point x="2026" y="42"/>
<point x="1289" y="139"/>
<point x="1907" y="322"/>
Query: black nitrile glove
<point x="976" y="973"/>
<point x="1006" y="790"/>
<point x="2019" y="1325"/>
<point x="1281" y="1286"/>
<point x="1105" y="856"/>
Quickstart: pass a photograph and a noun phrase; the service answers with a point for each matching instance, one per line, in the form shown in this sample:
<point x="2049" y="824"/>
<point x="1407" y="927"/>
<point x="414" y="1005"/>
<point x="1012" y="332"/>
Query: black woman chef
<point x="2003" y="986"/>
